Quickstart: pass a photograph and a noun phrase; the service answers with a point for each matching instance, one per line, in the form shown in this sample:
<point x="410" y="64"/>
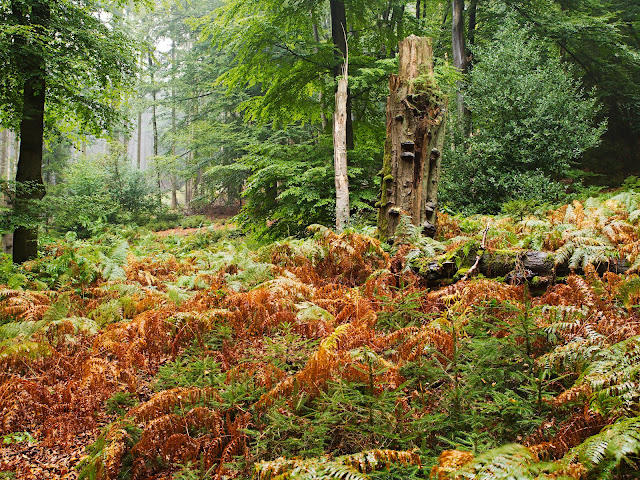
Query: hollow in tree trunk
<point x="416" y="111"/>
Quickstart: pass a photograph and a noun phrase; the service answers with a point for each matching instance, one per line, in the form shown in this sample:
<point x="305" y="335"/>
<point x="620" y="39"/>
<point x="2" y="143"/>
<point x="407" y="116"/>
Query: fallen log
<point x="514" y="265"/>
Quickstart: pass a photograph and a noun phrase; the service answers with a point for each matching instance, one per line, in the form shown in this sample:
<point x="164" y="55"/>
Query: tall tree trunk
<point x="174" y="192"/>
<point x="5" y="174"/>
<point x="4" y="150"/>
<point x="460" y="60"/>
<point x="471" y="30"/>
<point x="4" y="156"/>
<point x="188" y="193"/>
<point x="197" y="187"/>
<point x="29" y="184"/>
<point x="174" y="181"/>
<point x="339" y="38"/>
<point x="154" y="123"/>
<point x="323" y="116"/>
<point x="340" y="152"/>
<point x="139" y="150"/>
<point x="416" y="111"/>
<point x="13" y="161"/>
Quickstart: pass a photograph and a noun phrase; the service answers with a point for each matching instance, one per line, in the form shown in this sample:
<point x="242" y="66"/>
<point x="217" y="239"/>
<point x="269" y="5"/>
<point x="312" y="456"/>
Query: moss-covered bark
<point x="415" y="134"/>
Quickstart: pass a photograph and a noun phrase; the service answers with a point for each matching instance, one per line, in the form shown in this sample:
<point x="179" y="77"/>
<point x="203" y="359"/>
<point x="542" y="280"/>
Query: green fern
<point x="307" y="469"/>
<point x="629" y="289"/>
<point x="346" y="467"/>
<point x="112" y="264"/>
<point x="604" y="453"/>
<point x="630" y="200"/>
<point x="24" y="350"/>
<point x="614" y="378"/>
<point x="513" y="462"/>
<point x="22" y="329"/>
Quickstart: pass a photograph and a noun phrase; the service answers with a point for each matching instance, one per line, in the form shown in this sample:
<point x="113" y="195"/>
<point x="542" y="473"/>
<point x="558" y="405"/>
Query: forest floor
<point x="195" y="357"/>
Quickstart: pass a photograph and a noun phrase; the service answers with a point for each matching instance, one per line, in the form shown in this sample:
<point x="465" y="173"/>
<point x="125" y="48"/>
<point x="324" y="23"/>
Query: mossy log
<point x="512" y="265"/>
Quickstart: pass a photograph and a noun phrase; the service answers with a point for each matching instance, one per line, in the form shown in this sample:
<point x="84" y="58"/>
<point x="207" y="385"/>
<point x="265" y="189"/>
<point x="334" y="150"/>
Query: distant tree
<point x="61" y="58"/>
<point x="601" y="39"/>
<point x="531" y="122"/>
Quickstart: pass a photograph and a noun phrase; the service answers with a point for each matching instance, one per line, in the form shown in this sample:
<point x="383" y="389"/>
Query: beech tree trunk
<point x="139" y="150"/>
<point x="4" y="150"/>
<point x="340" y="153"/>
<point x="416" y="112"/>
<point x="29" y="184"/>
<point x="4" y="156"/>
<point x="339" y="38"/>
<point x="460" y="60"/>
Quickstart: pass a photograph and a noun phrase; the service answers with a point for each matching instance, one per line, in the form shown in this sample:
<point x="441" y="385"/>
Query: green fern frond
<point x="614" y="378"/>
<point x="58" y="310"/>
<point x="346" y="467"/>
<point x="507" y="462"/>
<point x="22" y="329"/>
<point x="24" y="350"/>
<point x="604" y="452"/>
<point x="112" y="264"/>
<point x="630" y="200"/>
<point x="564" y="253"/>
<point x="629" y="290"/>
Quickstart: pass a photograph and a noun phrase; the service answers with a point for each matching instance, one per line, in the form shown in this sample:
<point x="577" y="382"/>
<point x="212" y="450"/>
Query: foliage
<point x="325" y="356"/>
<point x="81" y="86"/>
<point x="97" y="193"/>
<point x="531" y="121"/>
<point x="17" y="437"/>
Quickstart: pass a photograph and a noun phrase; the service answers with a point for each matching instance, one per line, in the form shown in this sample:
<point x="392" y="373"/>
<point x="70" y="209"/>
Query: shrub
<point x="531" y="121"/>
<point x="96" y="193"/>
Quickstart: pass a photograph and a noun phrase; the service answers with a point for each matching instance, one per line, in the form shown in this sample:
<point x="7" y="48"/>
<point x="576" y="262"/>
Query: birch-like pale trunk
<point x="340" y="152"/>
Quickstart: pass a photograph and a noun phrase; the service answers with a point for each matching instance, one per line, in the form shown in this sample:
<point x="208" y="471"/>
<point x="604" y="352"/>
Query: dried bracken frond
<point x="24" y="304"/>
<point x="449" y="462"/>
<point x="347" y="467"/>
<point x="164" y="402"/>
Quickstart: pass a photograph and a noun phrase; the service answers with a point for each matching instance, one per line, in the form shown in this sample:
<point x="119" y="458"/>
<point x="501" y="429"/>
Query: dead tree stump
<point x="416" y="110"/>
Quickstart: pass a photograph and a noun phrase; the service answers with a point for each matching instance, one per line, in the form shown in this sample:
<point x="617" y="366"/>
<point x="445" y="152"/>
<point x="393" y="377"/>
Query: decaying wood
<point x="340" y="152"/>
<point x="513" y="265"/>
<point x="483" y="246"/>
<point x="415" y="135"/>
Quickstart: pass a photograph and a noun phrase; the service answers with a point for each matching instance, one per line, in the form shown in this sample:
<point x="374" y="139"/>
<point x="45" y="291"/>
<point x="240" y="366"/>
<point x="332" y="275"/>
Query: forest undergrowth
<point x="329" y="357"/>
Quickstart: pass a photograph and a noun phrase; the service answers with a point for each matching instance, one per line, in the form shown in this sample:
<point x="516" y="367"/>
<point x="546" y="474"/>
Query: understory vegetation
<point x="132" y="355"/>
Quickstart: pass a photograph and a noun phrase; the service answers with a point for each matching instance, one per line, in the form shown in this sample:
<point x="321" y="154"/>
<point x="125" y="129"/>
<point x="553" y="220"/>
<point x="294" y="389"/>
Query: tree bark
<point x="4" y="160"/>
<point x="340" y="153"/>
<point x="188" y="193"/>
<point x="29" y="184"/>
<point x="323" y="116"/>
<point x="4" y="147"/>
<point x="471" y="30"/>
<point x="154" y="123"/>
<point x="339" y="38"/>
<point x="516" y="266"/>
<point x="415" y="135"/>
<point x="139" y="151"/>
<point x="460" y="60"/>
